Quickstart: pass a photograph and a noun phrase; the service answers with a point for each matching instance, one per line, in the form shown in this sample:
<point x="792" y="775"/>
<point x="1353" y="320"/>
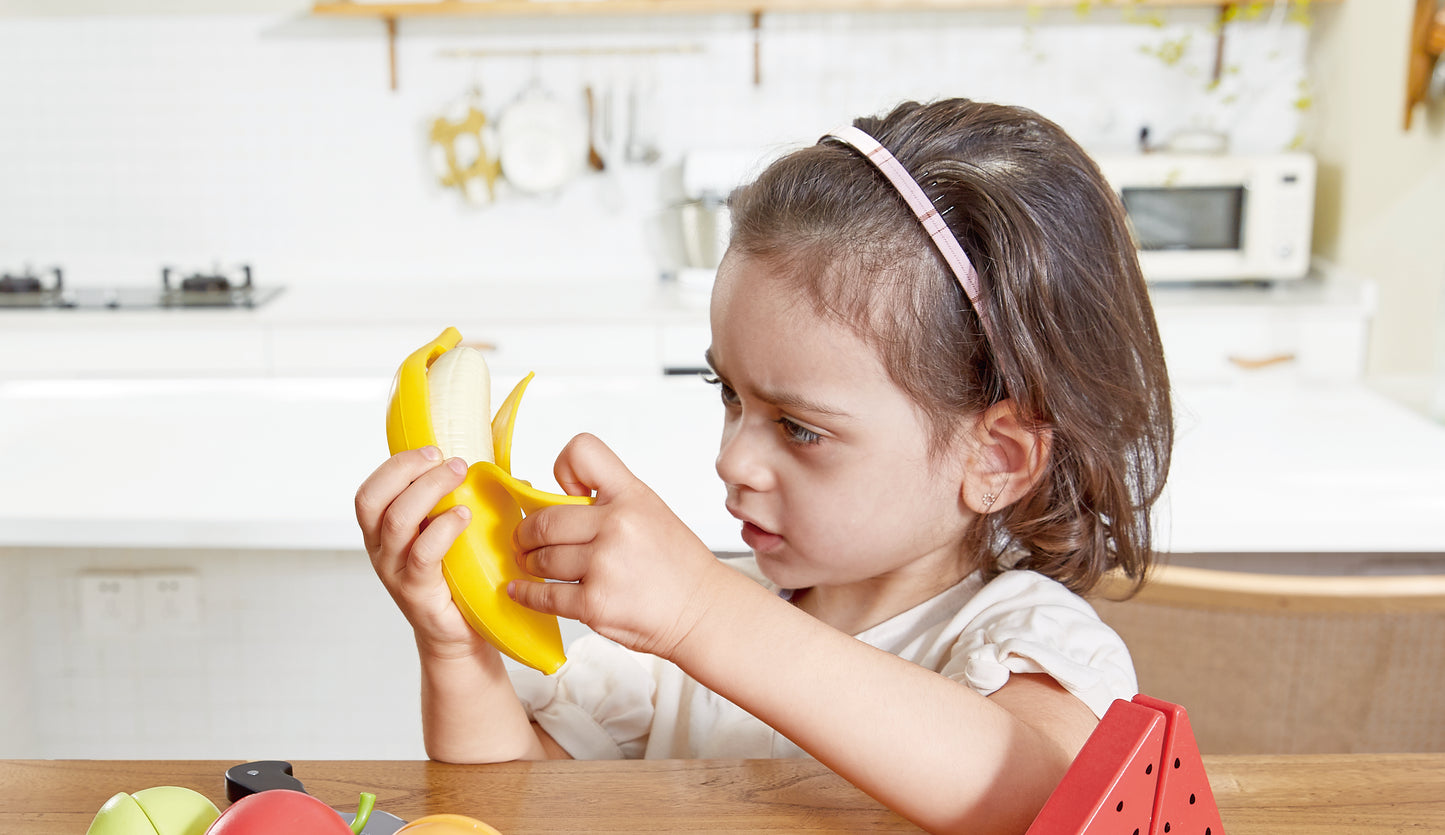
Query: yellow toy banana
<point x="451" y="412"/>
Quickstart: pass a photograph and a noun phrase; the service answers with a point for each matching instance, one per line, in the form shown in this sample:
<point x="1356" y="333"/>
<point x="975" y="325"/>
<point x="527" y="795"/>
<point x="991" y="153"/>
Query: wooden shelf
<point x="563" y="8"/>
<point x="390" y="13"/>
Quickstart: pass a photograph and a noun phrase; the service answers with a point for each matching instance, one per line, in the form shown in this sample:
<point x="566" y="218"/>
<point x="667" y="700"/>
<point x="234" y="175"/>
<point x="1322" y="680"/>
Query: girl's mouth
<point x="759" y="540"/>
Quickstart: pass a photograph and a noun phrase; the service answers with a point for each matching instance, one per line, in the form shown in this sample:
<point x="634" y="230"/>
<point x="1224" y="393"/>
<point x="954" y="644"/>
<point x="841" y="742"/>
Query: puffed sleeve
<point x="598" y="706"/>
<point x="1023" y="622"/>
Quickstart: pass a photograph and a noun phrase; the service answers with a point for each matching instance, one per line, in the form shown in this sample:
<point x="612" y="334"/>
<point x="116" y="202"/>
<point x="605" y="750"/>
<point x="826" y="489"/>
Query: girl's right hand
<point x="406" y="549"/>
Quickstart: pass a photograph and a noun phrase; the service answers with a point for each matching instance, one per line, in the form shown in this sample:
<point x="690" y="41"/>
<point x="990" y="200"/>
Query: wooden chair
<point x="1291" y="664"/>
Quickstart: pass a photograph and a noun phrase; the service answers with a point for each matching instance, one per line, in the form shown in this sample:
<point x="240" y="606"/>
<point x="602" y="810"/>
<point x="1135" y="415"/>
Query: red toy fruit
<point x="279" y="812"/>
<point x="1139" y="773"/>
<point x="1184" y="802"/>
<point x="1111" y="785"/>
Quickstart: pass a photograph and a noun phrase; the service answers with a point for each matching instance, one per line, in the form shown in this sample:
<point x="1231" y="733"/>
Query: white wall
<point x="1382" y="189"/>
<point x="129" y="141"/>
<point x="17" y="723"/>
<point x="292" y="655"/>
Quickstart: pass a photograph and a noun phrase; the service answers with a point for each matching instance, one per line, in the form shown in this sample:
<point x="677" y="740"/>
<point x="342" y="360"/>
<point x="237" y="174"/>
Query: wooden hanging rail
<point x="548" y="8"/>
<point x="541" y="52"/>
<point x="390" y="13"/>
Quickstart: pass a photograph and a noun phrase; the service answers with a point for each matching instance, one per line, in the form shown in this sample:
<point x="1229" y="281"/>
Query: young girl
<point x="947" y="415"/>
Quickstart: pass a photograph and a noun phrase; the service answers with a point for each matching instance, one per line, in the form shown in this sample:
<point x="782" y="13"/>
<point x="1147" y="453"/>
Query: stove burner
<point x="206" y="284"/>
<point x="29" y="282"/>
<point x="19" y="284"/>
<point x="207" y="290"/>
<point x="28" y="290"/>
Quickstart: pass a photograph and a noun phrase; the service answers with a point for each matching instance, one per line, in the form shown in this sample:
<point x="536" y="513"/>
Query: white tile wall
<point x="294" y="655"/>
<point x="131" y="141"/>
<point x="17" y="726"/>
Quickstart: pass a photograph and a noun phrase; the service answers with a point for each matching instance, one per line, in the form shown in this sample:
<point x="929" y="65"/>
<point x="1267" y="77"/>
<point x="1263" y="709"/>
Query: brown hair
<point x="1076" y="346"/>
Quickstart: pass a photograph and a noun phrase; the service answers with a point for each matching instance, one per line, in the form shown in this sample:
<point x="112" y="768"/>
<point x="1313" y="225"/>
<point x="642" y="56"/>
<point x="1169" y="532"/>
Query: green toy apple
<point x="163" y="810"/>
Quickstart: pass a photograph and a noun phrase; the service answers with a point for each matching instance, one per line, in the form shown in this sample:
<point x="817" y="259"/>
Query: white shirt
<point x="608" y="702"/>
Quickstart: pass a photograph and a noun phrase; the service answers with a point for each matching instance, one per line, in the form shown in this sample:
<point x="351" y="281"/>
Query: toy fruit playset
<point x="443" y="411"/>
<point x="266" y="799"/>
<point x="1138" y="774"/>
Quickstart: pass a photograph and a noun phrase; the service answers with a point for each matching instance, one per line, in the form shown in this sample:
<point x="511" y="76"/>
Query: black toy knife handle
<point x="260" y="776"/>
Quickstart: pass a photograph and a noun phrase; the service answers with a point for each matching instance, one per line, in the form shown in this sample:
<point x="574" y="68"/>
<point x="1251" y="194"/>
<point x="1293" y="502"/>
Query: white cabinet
<point x="38" y="345"/>
<point x="1316" y="329"/>
<point x="510" y="349"/>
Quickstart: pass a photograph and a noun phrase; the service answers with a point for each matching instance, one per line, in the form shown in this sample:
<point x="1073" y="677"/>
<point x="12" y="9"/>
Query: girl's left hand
<point x="630" y="569"/>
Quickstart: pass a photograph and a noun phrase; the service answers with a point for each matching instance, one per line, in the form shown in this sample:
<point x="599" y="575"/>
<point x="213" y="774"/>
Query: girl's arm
<point x="925" y="746"/>
<point x="470" y="713"/>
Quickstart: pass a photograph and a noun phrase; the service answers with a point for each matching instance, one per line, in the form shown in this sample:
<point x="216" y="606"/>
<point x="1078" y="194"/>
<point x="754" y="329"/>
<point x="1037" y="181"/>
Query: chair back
<point x="1285" y="664"/>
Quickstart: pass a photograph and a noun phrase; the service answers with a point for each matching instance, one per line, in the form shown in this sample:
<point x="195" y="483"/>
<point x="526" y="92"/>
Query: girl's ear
<point x="1007" y="458"/>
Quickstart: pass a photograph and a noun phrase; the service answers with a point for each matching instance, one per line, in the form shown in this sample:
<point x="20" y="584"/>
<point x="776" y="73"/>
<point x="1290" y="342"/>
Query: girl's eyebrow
<point x="788" y="400"/>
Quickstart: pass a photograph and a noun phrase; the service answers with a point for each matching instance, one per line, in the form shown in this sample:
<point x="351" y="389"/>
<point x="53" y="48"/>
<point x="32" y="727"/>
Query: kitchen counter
<point x="275" y="463"/>
<point x="1275" y="465"/>
<point x="1351" y="794"/>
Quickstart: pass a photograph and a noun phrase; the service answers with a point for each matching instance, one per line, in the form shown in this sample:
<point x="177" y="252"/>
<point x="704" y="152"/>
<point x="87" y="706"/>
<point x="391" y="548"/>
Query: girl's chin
<point x="774" y="567"/>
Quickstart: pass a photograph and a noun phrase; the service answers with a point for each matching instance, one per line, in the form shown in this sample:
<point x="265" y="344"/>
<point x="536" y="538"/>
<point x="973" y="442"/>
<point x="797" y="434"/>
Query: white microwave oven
<point x="1217" y="217"/>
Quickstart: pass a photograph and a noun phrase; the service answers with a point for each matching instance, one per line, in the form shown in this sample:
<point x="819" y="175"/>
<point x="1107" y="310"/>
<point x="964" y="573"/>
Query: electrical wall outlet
<point x="109" y="603"/>
<point x="170" y="599"/>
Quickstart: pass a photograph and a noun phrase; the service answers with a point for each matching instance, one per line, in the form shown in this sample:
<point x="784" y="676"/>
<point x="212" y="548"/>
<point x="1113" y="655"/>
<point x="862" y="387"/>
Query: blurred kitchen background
<point x="167" y="590"/>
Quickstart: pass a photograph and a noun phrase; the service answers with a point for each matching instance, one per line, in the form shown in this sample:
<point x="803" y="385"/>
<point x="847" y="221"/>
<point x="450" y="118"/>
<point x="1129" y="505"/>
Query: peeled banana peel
<point x="441" y="396"/>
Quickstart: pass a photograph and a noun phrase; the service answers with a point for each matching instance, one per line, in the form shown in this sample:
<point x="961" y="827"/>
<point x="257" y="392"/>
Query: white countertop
<point x="1272" y="465"/>
<point x="275" y="463"/>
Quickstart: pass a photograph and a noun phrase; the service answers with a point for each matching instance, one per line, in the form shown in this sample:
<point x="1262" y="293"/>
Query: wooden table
<point x="1280" y="795"/>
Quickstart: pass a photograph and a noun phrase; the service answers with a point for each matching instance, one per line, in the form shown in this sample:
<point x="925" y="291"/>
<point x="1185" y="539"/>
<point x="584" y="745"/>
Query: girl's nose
<point x="739" y="460"/>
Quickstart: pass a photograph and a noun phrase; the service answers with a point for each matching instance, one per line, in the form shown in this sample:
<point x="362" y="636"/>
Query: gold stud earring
<point x="988" y="500"/>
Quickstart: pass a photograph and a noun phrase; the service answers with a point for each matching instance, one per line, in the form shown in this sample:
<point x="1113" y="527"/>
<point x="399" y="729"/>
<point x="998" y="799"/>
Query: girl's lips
<point x="758" y="539"/>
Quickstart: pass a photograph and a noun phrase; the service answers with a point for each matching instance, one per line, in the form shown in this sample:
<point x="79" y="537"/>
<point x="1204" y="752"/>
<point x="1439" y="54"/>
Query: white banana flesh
<point x="459" y="389"/>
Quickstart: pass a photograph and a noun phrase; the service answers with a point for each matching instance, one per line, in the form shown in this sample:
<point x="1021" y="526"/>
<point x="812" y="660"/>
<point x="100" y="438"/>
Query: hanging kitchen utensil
<point x="464" y="150"/>
<point x="594" y="158"/>
<point x="1426" y="79"/>
<point x="640" y="145"/>
<point x="542" y="141"/>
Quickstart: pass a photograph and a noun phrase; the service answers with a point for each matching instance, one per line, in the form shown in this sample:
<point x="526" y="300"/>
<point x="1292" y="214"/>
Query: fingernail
<point x="458" y="466"/>
<point x="431" y="453"/>
<point x="463" y="512"/>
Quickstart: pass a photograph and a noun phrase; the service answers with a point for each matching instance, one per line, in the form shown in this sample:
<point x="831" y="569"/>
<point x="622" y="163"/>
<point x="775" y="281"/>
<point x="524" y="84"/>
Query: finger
<point x="423" y="561"/>
<point x="402" y="522"/>
<point x="587" y="465"/>
<point x="562" y="599"/>
<point x="385" y="483"/>
<point x="556" y="525"/>
<point x="567" y="563"/>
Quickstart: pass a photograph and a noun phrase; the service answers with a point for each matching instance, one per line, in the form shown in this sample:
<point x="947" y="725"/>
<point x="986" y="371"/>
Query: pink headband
<point x="923" y="208"/>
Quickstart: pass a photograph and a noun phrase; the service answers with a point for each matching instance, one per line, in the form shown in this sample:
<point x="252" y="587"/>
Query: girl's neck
<point x="855" y="607"/>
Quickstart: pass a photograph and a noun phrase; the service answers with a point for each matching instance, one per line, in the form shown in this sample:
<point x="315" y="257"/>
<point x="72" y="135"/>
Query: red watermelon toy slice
<point x="1139" y="773"/>
<point x="1184" y="803"/>
<point x="1111" y="785"/>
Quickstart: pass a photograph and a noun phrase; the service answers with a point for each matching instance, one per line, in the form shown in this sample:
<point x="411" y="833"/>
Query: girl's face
<point x="826" y="460"/>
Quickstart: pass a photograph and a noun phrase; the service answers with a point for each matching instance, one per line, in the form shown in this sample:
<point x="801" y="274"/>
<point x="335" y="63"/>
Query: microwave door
<point x="1187" y="218"/>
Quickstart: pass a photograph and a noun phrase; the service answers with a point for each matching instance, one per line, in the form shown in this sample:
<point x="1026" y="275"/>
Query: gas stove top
<point x="46" y="290"/>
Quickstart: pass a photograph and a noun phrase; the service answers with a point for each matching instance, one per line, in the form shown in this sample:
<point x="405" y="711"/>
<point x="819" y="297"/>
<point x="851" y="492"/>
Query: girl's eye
<point x="796" y="433"/>
<point x="725" y="391"/>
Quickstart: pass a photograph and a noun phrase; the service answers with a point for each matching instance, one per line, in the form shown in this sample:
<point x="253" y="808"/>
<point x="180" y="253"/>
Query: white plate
<point x="543" y="142"/>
